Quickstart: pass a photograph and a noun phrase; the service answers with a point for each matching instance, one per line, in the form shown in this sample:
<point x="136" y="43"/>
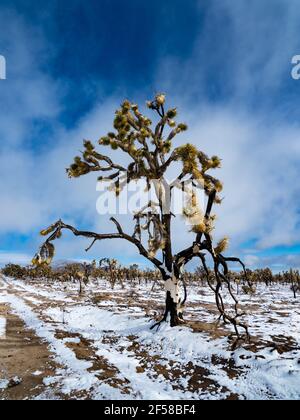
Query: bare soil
<point x="22" y="355"/>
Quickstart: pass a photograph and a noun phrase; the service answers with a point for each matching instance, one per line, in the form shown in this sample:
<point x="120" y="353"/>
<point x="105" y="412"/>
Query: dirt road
<point x="22" y="356"/>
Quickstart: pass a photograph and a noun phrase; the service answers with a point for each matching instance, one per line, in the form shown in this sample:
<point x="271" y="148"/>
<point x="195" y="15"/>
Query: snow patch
<point x="2" y="328"/>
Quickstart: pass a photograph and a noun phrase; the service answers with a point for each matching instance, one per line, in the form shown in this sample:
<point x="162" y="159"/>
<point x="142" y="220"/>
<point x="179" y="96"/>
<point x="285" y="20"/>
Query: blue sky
<point x="225" y="64"/>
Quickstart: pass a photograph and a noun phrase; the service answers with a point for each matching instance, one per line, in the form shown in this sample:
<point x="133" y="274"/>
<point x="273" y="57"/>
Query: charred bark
<point x="174" y="305"/>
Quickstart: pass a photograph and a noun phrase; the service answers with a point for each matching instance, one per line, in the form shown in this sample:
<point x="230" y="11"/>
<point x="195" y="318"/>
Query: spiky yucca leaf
<point x="222" y="245"/>
<point x="199" y="228"/>
<point x="194" y="214"/>
<point x="45" y="255"/>
<point x="49" y="230"/>
<point x="160" y="99"/>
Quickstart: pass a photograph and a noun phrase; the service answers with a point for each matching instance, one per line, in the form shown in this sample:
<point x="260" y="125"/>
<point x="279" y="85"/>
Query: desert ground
<point x="57" y="344"/>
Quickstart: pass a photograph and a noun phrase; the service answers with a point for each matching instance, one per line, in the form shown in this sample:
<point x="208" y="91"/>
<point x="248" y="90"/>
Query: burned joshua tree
<point x="149" y="146"/>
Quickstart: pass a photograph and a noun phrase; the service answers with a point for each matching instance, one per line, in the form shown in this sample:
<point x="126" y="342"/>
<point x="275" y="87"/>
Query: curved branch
<point x="60" y="225"/>
<point x="168" y="162"/>
<point x="221" y="278"/>
<point x="239" y="261"/>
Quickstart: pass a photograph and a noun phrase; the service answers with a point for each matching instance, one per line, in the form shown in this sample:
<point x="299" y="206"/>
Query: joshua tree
<point x="293" y="277"/>
<point x="150" y="150"/>
<point x="112" y="268"/>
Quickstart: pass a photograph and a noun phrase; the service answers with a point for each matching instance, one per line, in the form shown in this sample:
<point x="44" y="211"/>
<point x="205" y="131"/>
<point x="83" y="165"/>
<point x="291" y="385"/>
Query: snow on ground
<point x="106" y="350"/>
<point x="2" y="328"/>
<point x="3" y="383"/>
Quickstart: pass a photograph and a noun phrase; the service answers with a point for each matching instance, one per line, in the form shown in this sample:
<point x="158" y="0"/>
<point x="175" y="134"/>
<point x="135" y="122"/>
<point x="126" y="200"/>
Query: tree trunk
<point x="173" y="302"/>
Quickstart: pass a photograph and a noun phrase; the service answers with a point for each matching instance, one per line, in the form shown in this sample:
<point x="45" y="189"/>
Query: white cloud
<point x="14" y="257"/>
<point x="260" y="150"/>
<point x="277" y="263"/>
<point x="27" y="93"/>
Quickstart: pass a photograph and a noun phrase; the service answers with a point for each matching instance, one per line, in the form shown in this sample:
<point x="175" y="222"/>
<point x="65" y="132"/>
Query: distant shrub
<point x="14" y="270"/>
<point x="249" y="290"/>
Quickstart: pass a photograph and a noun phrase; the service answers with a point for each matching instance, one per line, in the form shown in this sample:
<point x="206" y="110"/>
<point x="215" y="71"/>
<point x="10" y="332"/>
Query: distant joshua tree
<point x="151" y="154"/>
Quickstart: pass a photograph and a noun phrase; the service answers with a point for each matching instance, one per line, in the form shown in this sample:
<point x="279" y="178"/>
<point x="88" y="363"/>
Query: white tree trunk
<point x="171" y="285"/>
